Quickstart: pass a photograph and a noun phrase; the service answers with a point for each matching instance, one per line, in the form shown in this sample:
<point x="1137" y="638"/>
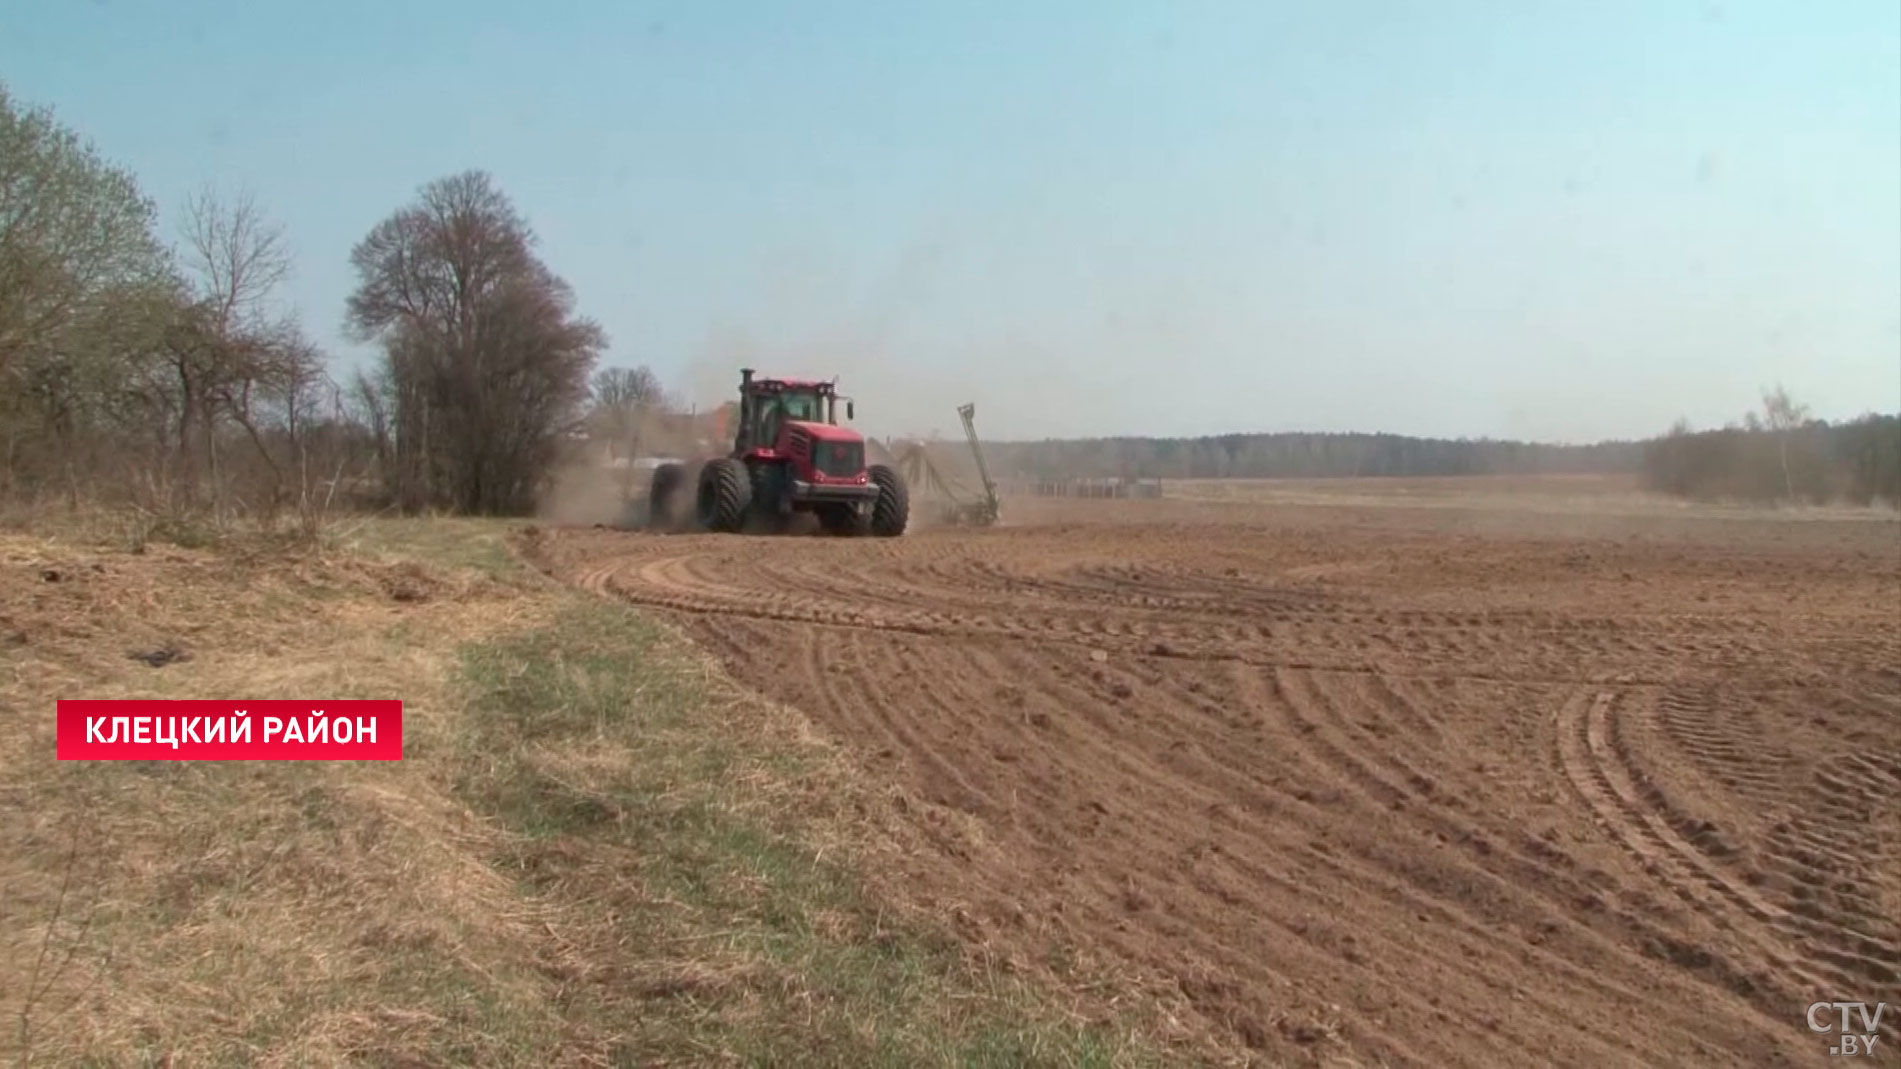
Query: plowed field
<point x="1419" y="786"/>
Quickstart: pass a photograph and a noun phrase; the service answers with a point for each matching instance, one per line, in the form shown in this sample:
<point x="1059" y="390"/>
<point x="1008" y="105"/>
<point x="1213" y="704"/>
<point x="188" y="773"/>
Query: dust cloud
<point x="585" y="492"/>
<point x="878" y="332"/>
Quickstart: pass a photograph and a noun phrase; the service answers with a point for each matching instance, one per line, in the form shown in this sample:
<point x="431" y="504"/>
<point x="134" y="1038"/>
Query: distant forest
<point x="1302" y="455"/>
<point x="1779" y="454"/>
<point x="1858" y="461"/>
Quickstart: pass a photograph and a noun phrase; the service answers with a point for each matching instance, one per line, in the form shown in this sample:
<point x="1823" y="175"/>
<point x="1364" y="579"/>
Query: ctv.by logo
<point x="1846" y="1041"/>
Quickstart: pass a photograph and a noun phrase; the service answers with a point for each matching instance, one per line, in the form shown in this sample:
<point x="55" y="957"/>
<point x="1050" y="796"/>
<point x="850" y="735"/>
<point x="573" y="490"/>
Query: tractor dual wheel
<point x="725" y="494"/>
<point x="663" y="496"/>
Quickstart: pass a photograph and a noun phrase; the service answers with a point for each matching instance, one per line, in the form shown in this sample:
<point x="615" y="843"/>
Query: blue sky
<point x="1555" y="221"/>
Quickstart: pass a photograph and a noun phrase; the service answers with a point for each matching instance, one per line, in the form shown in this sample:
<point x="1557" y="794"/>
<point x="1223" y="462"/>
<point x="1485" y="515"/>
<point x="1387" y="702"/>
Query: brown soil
<point x="1421" y="786"/>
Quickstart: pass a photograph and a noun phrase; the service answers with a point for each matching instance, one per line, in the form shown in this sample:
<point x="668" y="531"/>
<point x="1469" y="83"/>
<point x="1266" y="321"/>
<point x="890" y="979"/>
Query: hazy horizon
<point x="1100" y="220"/>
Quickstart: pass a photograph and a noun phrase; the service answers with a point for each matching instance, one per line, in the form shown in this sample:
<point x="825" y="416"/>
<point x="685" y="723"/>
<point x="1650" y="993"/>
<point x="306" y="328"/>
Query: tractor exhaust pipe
<point x="745" y="377"/>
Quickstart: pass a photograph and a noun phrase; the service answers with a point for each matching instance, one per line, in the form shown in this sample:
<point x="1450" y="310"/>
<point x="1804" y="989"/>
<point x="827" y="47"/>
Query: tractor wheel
<point x="893" y="509"/>
<point x="725" y="494"/>
<point x="663" y="496"/>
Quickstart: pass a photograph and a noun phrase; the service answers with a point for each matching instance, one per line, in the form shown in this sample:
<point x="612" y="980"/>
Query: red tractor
<point x="789" y="456"/>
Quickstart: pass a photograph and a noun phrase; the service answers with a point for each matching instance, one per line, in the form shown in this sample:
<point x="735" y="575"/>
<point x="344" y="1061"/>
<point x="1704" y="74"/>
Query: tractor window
<point x="768" y="422"/>
<point x="801" y="406"/>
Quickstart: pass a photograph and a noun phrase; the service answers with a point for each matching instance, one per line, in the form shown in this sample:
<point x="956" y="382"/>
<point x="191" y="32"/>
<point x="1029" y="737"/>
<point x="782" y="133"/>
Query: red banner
<point x="221" y="730"/>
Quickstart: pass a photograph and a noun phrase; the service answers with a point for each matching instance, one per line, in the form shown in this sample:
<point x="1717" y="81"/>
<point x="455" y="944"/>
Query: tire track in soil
<point x="1484" y="904"/>
<point x="1767" y="934"/>
<point x="1502" y="882"/>
<point x="1107" y="893"/>
<point x="1248" y="848"/>
<point x="1824" y="854"/>
<point x="658" y="584"/>
<point x="1827" y="919"/>
<point x="1456" y="643"/>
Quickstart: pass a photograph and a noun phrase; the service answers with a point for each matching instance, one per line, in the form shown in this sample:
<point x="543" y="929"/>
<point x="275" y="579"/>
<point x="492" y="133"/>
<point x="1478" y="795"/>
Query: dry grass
<point x="597" y="851"/>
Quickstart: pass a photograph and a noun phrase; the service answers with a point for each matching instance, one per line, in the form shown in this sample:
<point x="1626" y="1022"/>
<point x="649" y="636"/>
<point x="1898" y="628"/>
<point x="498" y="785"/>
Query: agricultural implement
<point x="957" y="505"/>
<point x="789" y="456"/>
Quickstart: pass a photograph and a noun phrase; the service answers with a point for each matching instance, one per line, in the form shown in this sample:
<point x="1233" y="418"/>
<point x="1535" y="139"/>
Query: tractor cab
<point x="767" y="406"/>
<point x="795" y="422"/>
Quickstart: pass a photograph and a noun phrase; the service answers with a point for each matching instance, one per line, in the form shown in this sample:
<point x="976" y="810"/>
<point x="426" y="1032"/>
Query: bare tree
<point x="236" y="255"/>
<point x="367" y="401"/>
<point x="627" y="387"/>
<point x="1783" y="415"/>
<point x="624" y="398"/>
<point x="237" y="356"/>
<point x="485" y="362"/>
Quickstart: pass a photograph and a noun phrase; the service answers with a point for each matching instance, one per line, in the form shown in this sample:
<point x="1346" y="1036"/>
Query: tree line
<point x="1778" y="454"/>
<point x="172" y="376"/>
<point x="1781" y="454"/>
<point x="1302" y="455"/>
